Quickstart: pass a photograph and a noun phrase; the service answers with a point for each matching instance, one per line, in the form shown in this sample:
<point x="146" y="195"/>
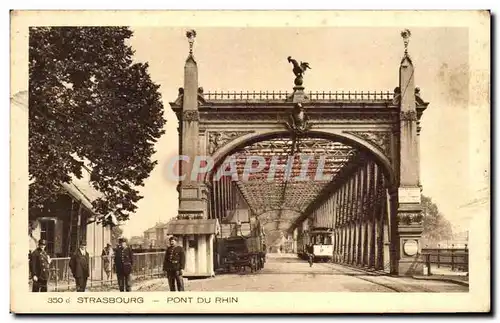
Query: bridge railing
<point x="246" y="96"/>
<point x="313" y="96"/>
<point x="351" y="96"/>
<point x="449" y="258"/>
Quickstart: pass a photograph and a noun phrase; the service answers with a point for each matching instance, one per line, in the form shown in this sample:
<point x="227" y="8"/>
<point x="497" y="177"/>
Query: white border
<point x="257" y="4"/>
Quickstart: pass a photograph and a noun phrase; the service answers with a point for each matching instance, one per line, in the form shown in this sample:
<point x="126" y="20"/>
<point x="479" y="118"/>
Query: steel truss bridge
<point x="365" y="146"/>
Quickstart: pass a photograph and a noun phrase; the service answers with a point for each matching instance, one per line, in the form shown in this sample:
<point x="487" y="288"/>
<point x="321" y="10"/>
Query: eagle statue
<point x="299" y="121"/>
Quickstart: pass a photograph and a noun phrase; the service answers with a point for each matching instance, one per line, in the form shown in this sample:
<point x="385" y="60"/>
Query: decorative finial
<point x="191" y="35"/>
<point x="298" y="70"/>
<point x="406" y="34"/>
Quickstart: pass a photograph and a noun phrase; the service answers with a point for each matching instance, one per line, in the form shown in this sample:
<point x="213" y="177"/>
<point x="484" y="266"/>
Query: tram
<point x="321" y="241"/>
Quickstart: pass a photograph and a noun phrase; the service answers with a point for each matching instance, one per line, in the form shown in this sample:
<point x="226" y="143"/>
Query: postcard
<point x="250" y="161"/>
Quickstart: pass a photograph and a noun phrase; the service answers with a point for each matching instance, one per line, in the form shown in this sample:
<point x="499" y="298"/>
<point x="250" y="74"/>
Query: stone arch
<point x="380" y="158"/>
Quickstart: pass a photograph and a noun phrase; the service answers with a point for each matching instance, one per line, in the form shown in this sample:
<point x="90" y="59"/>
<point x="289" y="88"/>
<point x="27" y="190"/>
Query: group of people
<point x="121" y="258"/>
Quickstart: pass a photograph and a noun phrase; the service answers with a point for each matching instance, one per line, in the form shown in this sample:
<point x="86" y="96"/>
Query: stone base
<point x="410" y="267"/>
<point x="298" y="94"/>
<point x="410" y="262"/>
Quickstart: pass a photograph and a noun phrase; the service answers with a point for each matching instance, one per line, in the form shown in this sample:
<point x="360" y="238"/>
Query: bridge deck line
<point x="438" y="274"/>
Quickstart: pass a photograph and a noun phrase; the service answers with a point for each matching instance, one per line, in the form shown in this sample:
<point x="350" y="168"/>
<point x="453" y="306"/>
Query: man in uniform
<point x="124" y="262"/>
<point x="39" y="267"/>
<point x="79" y="265"/>
<point x="173" y="265"/>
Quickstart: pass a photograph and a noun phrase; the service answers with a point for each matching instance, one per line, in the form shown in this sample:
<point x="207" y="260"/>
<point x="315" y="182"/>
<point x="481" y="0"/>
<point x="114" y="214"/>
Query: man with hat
<point x="39" y="267"/>
<point x="124" y="262"/>
<point x="79" y="265"/>
<point x="173" y="265"/>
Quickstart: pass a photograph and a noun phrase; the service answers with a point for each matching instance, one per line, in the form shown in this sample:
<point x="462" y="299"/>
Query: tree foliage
<point x="436" y="226"/>
<point x="88" y="99"/>
<point x="116" y="233"/>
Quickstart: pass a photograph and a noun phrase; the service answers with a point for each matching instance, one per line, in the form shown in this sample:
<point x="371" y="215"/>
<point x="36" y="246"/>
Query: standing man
<point x="39" y="267"/>
<point x="310" y="254"/>
<point x="173" y="265"/>
<point x="107" y="258"/>
<point x="80" y="267"/>
<point x="124" y="261"/>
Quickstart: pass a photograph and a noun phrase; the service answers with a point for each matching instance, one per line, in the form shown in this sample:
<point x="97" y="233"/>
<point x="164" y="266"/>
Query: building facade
<point x="150" y="238"/>
<point x="157" y="236"/>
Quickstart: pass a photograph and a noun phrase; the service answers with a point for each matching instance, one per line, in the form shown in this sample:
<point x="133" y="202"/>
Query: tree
<point x="89" y="101"/>
<point x="116" y="233"/>
<point x="436" y="226"/>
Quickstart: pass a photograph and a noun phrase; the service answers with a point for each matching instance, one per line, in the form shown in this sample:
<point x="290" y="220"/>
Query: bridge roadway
<point x="287" y="273"/>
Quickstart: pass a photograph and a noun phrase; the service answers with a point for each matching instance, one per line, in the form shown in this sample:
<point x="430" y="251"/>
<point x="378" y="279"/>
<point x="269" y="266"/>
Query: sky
<point x="355" y="59"/>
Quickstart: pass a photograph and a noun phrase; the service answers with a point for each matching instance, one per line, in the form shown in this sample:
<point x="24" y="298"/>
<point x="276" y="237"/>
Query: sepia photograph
<point x="329" y="159"/>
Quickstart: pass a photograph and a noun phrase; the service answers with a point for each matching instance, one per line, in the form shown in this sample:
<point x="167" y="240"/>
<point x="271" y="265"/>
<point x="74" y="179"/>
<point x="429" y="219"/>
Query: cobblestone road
<point x="287" y="273"/>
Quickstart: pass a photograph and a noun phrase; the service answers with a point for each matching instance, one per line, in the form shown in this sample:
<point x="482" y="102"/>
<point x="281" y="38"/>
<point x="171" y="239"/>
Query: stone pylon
<point x="192" y="194"/>
<point x="408" y="203"/>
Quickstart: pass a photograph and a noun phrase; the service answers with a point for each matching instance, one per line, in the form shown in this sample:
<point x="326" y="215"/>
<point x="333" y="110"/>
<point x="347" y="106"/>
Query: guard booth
<point x="197" y="237"/>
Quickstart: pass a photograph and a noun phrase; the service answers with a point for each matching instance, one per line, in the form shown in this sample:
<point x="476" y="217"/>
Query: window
<point x="47" y="233"/>
<point x="83" y="226"/>
<point x="328" y="239"/>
